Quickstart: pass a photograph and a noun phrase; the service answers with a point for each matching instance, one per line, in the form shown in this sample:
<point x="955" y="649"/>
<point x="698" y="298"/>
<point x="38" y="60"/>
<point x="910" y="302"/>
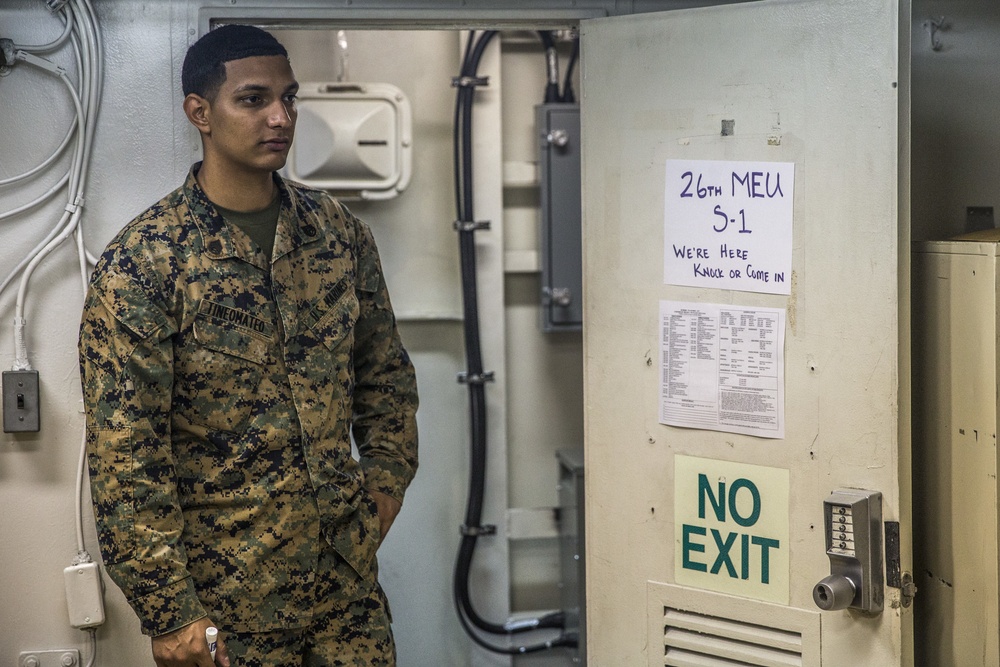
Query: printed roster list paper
<point x="723" y="368"/>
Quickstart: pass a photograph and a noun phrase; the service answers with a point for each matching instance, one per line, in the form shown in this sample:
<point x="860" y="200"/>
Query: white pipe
<point x="73" y="206"/>
<point x="24" y="262"/>
<point x="39" y="201"/>
<point x="81" y="252"/>
<point x="51" y="46"/>
<point x="81" y="475"/>
<point x="55" y="155"/>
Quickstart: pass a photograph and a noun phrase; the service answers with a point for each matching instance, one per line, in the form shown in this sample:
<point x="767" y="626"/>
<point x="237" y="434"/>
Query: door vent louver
<point x="702" y="640"/>
<point x="689" y="627"/>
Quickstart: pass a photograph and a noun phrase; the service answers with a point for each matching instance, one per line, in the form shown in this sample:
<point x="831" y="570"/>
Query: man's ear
<point x="198" y="109"/>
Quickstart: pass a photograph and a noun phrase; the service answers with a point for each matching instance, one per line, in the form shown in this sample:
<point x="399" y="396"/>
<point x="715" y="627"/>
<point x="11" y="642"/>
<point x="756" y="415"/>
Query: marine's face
<point x="252" y="118"/>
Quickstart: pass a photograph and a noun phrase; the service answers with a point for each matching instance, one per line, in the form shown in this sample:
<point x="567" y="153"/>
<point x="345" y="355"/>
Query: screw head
<point x="68" y="660"/>
<point x="558" y="138"/>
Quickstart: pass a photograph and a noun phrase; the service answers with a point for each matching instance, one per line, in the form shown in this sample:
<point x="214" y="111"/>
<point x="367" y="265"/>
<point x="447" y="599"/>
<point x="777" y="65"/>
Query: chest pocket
<point x="218" y="376"/>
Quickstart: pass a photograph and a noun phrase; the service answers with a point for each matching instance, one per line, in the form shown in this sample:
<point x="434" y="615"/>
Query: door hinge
<point x="892" y="565"/>
<point x="909" y="590"/>
<point x="894" y="576"/>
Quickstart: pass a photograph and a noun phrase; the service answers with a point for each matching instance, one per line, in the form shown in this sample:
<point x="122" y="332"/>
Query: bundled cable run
<point x="476" y="378"/>
<point x="78" y="28"/>
<point x="552" y="93"/>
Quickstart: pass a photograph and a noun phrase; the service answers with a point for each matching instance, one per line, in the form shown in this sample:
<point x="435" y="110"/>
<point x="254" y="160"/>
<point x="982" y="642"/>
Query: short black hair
<point x="204" y="68"/>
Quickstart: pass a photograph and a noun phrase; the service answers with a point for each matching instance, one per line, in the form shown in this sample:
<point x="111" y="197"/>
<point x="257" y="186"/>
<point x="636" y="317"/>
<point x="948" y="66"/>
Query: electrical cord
<point x="80" y="29"/>
<point x="51" y="46"/>
<point x="552" y="93"/>
<point x="567" y="95"/>
<point x="39" y="200"/>
<point x="93" y="647"/>
<point x="88" y="53"/>
<point x="551" y="67"/>
<point x="49" y="160"/>
<point x="470" y="620"/>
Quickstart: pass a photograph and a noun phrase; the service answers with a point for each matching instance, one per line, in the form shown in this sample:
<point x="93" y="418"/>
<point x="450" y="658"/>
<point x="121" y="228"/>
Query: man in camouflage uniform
<point x="235" y="335"/>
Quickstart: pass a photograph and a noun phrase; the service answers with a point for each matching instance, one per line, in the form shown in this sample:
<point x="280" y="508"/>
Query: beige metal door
<point x="817" y="85"/>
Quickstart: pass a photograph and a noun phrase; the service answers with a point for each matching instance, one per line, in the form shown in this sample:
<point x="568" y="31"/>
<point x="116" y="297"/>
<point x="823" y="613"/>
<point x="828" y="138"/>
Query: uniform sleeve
<point x="126" y="361"/>
<point x="385" y="392"/>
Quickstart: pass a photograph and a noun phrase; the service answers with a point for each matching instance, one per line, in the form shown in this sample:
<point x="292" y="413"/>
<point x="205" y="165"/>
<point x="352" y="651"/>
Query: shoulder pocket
<point x="369" y="264"/>
<point x="334" y="317"/>
<point x="128" y="304"/>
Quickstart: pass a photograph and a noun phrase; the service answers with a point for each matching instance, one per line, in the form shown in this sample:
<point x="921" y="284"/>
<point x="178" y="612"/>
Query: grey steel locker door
<point x="817" y="84"/>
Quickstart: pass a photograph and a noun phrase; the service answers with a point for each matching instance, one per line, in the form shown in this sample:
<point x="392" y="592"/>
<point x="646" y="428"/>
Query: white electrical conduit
<point x="93" y="647"/>
<point x="87" y="50"/>
<point x="73" y="207"/>
<point x="84" y="256"/>
<point x="35" y="250"/>
<point x="81" y="470"/>
<point x="52" y="158"/>
<point x="80" y="28"/>
<point x="92" y="79"/>
<point x="51" y="46"/>
<point x="40" y="200"/>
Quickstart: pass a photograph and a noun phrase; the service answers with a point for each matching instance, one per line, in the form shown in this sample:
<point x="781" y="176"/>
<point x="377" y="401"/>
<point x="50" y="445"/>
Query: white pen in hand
<point x="212" y="637"/>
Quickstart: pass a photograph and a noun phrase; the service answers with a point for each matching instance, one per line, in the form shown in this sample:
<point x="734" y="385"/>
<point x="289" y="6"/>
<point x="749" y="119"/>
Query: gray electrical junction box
<point x="558" y="127"/>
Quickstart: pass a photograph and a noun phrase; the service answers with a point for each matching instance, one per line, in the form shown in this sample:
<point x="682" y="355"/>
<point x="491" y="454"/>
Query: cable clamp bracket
<point x="76" y="205"/>
<point x="470" y="225"/>
<point x="41" y="63"/>
<point x="7" y="57"/>
<point x="476" y="531"/>
<point x="476" y="378"/>
<point x="469" y="81"/>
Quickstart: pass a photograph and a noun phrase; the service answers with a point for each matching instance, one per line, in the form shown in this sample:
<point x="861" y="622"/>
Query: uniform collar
<point x="297" y="221"/>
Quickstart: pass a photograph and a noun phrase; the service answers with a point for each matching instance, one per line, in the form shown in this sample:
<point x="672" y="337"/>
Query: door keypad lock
<point x="852" y="523"/>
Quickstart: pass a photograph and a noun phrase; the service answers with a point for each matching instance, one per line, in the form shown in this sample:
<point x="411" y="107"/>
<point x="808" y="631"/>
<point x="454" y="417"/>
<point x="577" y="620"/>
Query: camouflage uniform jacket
<point x="221" y="394"/>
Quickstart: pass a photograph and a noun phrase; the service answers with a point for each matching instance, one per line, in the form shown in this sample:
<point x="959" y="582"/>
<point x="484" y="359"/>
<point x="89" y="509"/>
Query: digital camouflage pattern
<point x="351" y="628"/>
<point x="221" y="398"/>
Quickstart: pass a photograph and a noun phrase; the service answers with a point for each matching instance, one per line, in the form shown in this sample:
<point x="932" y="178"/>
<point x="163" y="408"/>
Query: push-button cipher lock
<point x="853" y="528"/>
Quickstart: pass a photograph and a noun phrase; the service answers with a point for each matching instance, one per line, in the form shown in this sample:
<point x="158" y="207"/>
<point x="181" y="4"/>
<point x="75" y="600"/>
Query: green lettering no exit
<point x="722" y="544"/>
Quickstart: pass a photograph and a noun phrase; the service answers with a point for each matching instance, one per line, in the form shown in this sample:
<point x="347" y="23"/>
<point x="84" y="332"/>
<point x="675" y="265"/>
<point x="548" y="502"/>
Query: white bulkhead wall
<point x="140" y="155"/>
<point x="143" y="150"/>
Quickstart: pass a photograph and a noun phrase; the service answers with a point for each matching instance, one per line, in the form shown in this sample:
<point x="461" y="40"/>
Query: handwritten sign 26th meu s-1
<point x="728" y="225"/>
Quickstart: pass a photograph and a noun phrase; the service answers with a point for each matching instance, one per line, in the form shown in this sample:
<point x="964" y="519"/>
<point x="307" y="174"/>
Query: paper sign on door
<point x="728" y="225"/>
<point x="723" y="368"/>
<point x="731" y="523"/>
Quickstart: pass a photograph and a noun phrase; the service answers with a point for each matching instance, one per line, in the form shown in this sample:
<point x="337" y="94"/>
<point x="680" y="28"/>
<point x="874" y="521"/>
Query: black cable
<point x="567" y="95"/>
<point x="456" y="129"/>
<point x="551" y="67"/>
<point x="475" y="377"/>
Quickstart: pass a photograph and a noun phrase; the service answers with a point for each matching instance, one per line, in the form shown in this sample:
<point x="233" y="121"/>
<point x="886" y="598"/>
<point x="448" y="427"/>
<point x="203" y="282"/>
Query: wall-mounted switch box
<point x="20" y="401"/>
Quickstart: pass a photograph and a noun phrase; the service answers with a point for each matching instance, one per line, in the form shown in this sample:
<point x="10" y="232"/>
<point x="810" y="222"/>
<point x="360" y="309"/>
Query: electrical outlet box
<point x="20" y="401"/>
<point x="84" y="595"/>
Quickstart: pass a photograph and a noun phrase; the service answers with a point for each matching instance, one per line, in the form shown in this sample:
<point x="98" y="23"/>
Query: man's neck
<point x="236" y="190"/>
